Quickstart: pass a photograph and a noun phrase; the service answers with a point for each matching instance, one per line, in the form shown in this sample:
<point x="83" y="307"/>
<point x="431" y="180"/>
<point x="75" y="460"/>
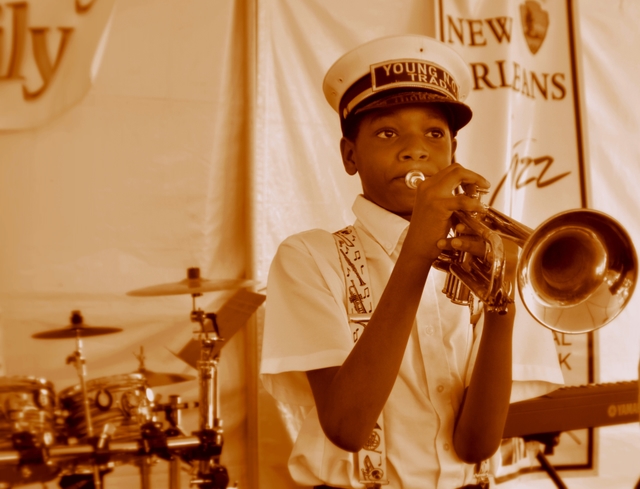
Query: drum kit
<point x="82" y="433"/>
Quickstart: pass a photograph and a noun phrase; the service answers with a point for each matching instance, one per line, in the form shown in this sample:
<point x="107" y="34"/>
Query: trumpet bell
<point x="577" y="271"/>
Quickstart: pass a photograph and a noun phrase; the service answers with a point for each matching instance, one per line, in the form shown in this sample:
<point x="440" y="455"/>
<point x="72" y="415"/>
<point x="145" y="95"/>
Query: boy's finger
<point x="475" y="246"/>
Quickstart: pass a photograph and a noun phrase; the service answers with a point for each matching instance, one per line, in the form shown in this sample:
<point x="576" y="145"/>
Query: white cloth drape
<point x="140" y="180"/>
<point x="300" y="182"/>
<point x="147" y="175"/>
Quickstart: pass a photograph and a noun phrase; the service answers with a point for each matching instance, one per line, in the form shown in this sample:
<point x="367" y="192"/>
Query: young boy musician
<point x="395" y="383"/>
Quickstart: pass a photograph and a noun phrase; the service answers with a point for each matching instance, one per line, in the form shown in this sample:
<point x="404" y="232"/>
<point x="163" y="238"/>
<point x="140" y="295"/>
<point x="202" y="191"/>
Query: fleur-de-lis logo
<point x="535" y="22"/>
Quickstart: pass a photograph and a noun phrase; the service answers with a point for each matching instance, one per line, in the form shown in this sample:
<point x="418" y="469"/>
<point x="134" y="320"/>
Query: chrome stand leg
<point x="174" y="473"/>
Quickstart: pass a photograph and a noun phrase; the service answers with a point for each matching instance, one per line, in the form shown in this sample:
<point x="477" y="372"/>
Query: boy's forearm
<point x="358" y="391"/>
<point x="483" y="413"/>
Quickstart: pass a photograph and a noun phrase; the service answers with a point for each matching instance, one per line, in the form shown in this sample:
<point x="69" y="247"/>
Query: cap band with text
<point x="413" y="73"/>
<point x="402" y="73"/>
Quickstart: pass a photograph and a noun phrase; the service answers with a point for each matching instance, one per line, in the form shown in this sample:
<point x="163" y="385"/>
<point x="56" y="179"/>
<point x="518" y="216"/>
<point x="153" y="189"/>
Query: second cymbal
<point x="157" y="379"/>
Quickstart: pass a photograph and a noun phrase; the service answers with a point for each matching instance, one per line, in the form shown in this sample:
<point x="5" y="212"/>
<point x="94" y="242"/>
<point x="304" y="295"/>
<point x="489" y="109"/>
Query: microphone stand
<point x="549" y="440"/>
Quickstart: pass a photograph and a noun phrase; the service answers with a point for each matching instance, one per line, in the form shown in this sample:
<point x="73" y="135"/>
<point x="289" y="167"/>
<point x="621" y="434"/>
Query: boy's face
<point x="392" y="142"/>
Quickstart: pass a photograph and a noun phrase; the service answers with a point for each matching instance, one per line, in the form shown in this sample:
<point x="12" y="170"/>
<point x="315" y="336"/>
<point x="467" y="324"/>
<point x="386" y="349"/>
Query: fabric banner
<point x="50" y="52"/>
<point x="527" y="140"/>
<point x="299" y="179"/>
<point x="141" y="179"/>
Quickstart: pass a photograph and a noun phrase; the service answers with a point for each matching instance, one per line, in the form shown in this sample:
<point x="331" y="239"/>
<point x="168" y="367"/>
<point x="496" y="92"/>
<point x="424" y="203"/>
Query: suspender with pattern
<point x="372" y="459"/>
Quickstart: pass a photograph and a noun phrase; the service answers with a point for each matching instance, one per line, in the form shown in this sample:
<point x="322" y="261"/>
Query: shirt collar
<point x="388" y="229"/>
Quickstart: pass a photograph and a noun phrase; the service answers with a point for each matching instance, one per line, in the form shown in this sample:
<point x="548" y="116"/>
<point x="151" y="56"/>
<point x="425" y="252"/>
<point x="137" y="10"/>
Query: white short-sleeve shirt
<point x="306" y="328"/>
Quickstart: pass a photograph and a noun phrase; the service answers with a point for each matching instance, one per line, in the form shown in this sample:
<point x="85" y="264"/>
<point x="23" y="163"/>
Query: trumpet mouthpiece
<point x="413" y="179"/>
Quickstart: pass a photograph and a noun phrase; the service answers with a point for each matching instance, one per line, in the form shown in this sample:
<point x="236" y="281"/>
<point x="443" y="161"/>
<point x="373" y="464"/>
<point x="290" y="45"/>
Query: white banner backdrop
<point x="299" y="179"/>
<point x="146" y="175"/>
<point x="300" y="182"/>
<point x="50" y="52"/>
<point x="526" y="138"/>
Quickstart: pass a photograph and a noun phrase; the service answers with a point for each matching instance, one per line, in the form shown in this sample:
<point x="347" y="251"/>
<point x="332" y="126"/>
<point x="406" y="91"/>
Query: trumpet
<point x="576" y="271"/>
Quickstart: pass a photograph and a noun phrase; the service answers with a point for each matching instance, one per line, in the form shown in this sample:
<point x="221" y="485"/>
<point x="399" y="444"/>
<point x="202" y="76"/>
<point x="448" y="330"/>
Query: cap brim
<point x="460" y="112"/>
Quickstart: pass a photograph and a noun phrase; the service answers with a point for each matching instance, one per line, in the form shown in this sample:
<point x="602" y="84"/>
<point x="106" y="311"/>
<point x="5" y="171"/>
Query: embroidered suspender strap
<point x="372" y="459"/>
<point x="482" y="477"/>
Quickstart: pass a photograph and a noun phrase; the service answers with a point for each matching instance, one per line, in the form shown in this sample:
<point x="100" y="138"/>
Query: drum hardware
<point x="34" y="465"/>
<point x="576" y="272"/>
<point x="83" y="472"/>
<point x="173" y="413"/>
<point x="203" y="354"/>
<point x="215" y="329"/>
<point x="210" y="473"/>
<point x="98" y="454"/>
<point x="96" y="458"/>
<point x="174" y="472"/>
<point x="154" y="442"/>
<point x="123" y="408"/>
<point x="86" y="451"/>
<point x="78" y="330"/>
<point x="144" y="464"/>
<point x="173" y="416"/>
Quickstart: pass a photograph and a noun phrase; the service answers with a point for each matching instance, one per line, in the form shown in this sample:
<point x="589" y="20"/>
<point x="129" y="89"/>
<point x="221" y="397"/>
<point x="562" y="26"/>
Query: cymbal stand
<point x="78" y="360"/>
<point x="80" y="364"/>
<point x="211" y="475"/>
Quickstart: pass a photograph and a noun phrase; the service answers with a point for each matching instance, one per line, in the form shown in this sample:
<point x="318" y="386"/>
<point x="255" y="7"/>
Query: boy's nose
<point x="414" y="149"/>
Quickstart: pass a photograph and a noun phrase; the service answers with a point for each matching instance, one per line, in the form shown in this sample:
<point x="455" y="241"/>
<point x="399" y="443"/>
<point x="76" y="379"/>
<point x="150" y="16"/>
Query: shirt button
<point x="430" y="330"/>
<point x="440" y="388"/>
<point x="446" y="446"/>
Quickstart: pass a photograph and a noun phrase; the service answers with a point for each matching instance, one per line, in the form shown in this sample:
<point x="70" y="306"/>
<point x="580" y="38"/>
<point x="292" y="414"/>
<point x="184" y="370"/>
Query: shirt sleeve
<point x="306" y="323"/>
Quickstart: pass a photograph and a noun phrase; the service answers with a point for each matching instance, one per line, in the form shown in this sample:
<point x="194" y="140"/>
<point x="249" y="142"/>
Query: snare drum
<point x="124" y="401"/>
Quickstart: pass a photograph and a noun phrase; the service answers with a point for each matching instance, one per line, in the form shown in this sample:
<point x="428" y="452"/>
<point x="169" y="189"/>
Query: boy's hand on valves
<point x="465" y="240"/>
<point x="435" y="199"/>
<point x="436" y="193"/>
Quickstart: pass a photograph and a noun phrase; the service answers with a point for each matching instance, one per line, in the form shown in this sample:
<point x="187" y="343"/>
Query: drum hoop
<point x="25" y="381"/>
<point x="113" y="381"/>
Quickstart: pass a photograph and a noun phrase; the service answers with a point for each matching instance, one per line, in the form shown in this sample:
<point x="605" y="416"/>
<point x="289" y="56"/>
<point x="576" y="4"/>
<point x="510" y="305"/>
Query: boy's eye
<point x="386" y="134"/>
<point x="435" y="133"/>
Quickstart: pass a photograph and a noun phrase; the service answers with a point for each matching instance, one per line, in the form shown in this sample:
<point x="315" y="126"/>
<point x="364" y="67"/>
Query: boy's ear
<point x="454" y="145"/>
<point x="347" y="150"/>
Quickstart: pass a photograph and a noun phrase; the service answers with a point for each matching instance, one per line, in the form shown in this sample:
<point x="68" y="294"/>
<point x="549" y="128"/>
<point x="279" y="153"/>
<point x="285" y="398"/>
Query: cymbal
<point x="157" y="379"/>
<point x="72" y="332"/>
<point x="193" y="284"/>
<point x="77" y="329"/>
